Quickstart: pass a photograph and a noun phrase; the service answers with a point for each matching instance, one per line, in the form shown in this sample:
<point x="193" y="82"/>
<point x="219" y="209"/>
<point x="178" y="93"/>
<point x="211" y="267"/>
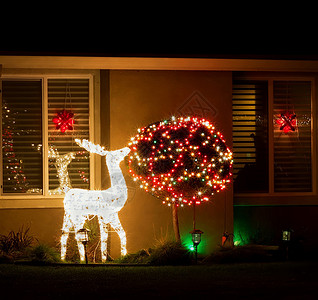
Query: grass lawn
<point x="278" y="280"/>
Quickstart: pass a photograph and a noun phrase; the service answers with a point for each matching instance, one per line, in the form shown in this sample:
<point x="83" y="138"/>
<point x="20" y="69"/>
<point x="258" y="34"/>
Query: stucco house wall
<point x="129" y="100"/>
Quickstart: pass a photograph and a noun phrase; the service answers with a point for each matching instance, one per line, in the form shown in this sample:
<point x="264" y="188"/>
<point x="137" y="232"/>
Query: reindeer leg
<point x="79" y="225"/>
<point x="115" y="223"/>
<point x="103" y="237"/>
<point x="67" y="224"/>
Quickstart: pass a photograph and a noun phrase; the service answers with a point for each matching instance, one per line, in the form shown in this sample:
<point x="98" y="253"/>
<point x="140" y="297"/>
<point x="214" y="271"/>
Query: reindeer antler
<point x="53" y="153"/>
<point x="89" y="146"/>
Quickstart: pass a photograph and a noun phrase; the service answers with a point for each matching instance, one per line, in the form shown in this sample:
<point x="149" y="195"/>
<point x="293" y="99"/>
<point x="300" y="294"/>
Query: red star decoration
<point x="287" y="122"/>
<point x="64" y="120"/>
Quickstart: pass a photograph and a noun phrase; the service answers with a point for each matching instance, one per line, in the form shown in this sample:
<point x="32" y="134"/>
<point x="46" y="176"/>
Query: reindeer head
<point x="92" y="148"/>
<point x="117" y="155"/>
<point x="114" y="156"/>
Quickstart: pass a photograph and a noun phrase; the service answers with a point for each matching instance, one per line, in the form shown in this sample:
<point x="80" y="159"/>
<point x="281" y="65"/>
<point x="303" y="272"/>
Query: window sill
<point x="274" y="200"/>
<point x="20" y="202"/>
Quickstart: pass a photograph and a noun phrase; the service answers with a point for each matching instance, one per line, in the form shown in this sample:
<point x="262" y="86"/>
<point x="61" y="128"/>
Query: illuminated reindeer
<point x="81" y="205"/>
<point x="61" y="163"/>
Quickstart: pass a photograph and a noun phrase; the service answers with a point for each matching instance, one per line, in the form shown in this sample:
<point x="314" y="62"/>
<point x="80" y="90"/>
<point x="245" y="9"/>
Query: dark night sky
<point x="231" y="30"/>
<point x="291" y="49"/>
<point x="191" y="38"/>
<point x="161" y="51"/>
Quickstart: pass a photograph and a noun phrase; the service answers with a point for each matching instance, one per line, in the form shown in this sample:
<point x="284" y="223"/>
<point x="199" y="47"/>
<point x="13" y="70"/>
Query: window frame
<point x="282" y="198"/>
<point x="45" y="200"/>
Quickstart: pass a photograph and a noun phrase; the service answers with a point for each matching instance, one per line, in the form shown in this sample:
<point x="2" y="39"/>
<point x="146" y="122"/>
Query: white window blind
<point x="292" y="149"/>
<point x="71" y="95"/>
<point x="22" y="136"/>
<point x="250" y="136"/>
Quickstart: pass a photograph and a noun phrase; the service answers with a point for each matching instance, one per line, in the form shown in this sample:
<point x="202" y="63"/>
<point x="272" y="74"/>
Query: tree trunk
<point x="175" y="221"/>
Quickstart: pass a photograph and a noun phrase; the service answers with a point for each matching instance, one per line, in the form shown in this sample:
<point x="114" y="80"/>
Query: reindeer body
<point x="81" y="205"/>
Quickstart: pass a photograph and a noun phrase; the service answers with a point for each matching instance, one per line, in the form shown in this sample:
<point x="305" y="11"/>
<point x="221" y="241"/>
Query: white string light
<point x="61" y="163"/>
<point x="81" y="205"/>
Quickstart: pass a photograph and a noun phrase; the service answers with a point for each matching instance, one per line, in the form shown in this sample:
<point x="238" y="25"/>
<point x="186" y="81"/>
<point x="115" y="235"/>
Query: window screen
<point x="292" y="144"/>
<point x="68" y="163"/>
<point x="22" y="136"/>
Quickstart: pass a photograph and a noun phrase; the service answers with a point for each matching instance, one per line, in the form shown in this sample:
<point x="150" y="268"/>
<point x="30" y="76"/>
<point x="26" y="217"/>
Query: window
<point x="272" y="136"/>
<point x="21" y="134"/>
<point x="38" y="156"/>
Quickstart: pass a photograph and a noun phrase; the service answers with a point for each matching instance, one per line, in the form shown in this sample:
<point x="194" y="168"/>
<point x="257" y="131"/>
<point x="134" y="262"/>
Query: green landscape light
<point x="196" y="239"/>
<point x="191" y="248"/>
<point x="237" y="243"/>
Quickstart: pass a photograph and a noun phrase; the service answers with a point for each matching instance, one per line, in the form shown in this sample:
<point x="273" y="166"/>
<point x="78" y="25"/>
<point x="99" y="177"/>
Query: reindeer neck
<point x="116" y="176"/>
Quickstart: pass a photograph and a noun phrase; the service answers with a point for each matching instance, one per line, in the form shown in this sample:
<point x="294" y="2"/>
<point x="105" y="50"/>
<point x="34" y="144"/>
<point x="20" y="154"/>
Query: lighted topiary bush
<point x="180" y="160"/>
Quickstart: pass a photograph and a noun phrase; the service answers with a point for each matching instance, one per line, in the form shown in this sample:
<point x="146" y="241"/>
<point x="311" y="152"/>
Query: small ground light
<point x="82" y="235"/>
<point x="286" y="237"/>
<point x="196" y="239"/>
<point x="286" y="234"/>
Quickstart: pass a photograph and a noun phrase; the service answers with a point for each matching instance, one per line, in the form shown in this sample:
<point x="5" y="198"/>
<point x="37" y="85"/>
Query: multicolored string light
<point x="181" y="160"/>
